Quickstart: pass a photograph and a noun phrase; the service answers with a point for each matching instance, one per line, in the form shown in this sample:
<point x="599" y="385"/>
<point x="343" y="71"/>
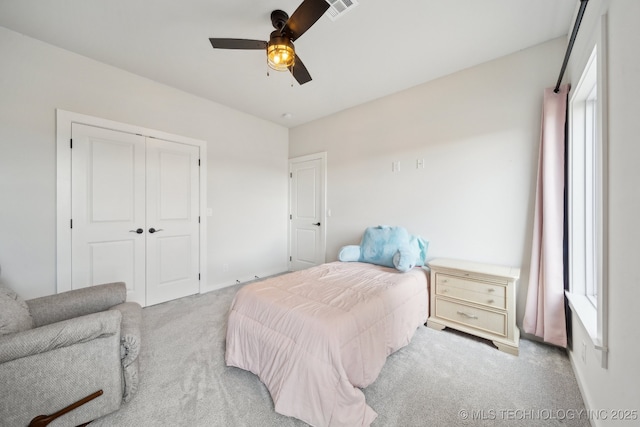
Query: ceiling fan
<point x="281" y="55"/>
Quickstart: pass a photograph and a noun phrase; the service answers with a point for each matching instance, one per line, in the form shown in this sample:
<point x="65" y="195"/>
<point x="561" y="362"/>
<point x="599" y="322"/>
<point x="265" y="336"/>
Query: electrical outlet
<point x="420" y="164"/>
<point x="583" y="353"/>
<point x="225" y="268"/>
<point x="395" y="166"/>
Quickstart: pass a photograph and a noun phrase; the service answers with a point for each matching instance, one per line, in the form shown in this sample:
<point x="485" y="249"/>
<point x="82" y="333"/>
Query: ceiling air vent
<point x="337" y="8"/>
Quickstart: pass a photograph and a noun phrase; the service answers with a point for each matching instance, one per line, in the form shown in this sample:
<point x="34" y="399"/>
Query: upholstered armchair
<point x="59" y="349"/>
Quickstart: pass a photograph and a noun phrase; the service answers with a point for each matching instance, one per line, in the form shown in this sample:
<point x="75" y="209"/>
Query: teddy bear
<point x="388" y="246"/>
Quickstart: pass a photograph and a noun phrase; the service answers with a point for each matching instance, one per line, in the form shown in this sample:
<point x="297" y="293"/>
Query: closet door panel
<point x="108" y="207"/>
<point x="172" y="220"/>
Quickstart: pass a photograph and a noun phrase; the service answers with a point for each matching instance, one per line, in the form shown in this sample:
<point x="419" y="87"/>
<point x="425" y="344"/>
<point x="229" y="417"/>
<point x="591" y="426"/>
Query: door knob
<point x="317" y="223"/>
<point x="153" y="230"/>
<point x="139" y="231"/>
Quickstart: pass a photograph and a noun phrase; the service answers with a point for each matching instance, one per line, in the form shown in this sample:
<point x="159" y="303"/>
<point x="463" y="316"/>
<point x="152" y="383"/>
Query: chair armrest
<point x="58" y="335"/>
<point x="129" y="331"/>
<point x="79" y="302"/>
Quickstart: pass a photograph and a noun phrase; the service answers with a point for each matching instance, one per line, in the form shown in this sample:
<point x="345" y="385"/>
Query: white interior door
<point x="172" y="220"/>
<point x="307" y="220"/>
<point x="135" y="214"/>
<point x="108" y="209"/>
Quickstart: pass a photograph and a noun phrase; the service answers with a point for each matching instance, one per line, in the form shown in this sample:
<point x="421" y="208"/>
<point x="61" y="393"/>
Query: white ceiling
<point x="380" y="47"/>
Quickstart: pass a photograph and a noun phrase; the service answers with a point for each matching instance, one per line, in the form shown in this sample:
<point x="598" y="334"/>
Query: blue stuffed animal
<point x="388" y="246"/>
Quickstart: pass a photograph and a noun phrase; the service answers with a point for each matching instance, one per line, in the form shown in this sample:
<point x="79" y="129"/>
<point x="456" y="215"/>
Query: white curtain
<point x="545" y="309"/>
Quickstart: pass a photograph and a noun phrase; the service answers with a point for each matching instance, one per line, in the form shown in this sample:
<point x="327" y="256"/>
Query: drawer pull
<point x="491" y="290"/>
<point x="444" y="291"/>
<point x="490" y="301"/>
<point x="470" y="316"/>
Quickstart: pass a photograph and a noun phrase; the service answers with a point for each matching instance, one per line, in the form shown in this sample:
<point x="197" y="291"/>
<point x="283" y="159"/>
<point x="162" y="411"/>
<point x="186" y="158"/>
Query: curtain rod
<point x="576" y="26"/>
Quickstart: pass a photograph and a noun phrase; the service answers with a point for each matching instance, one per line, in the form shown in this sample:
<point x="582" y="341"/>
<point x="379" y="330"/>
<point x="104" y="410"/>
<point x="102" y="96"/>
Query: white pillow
<point x="14" y="312"/>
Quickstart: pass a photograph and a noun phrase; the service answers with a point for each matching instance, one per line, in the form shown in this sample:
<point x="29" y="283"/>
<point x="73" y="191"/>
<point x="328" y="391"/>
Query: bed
<point x="315" y="337"/>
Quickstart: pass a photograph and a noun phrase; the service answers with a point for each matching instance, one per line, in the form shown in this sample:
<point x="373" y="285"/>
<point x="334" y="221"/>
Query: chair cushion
<point x="14" y="313"/>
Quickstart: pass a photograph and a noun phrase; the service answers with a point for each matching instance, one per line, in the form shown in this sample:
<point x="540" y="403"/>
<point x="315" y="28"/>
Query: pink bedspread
<point x="314" y="337"/>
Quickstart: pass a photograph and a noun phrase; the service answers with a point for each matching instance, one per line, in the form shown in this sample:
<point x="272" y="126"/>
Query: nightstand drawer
<point x="486" y="320"/>
<point x="472" y="291"/>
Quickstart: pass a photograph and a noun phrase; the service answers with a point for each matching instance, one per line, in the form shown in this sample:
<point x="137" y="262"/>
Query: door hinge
<point x="198" y="220"/>
<point x="198" y="162"/>
<point x="290" y="259"/>
<point x="290" y="216"/>
<point x="198" y="276"/>
<point x="290" y="174"/>
<point x="70" y="223"/>
<point x="71" y="143"/>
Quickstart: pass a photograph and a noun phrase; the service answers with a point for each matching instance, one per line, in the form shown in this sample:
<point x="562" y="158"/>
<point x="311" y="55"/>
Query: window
<point x="587" y="160"/>
<point x="584" y="197"/>
<point x="592" y="172"/>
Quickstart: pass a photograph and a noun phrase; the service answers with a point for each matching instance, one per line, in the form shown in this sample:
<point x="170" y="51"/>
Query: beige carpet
<point x="442" y="378"/>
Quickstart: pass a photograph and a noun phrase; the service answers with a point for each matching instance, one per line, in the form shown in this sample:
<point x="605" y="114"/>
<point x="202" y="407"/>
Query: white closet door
<point x="135" y="214"/>
<point x="108" y="209"/>
<point x="307" y="213"/>
<point x="172" y="220"/>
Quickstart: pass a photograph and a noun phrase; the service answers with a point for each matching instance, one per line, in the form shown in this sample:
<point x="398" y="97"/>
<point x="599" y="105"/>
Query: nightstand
<point x="475" y="298"/>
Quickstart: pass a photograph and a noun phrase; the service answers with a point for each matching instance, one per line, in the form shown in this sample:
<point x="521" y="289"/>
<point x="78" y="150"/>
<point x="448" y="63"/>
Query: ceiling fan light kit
<point x="281" y="55"/>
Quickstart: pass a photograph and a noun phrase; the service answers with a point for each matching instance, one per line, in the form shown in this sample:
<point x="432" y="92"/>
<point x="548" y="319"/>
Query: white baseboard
<point x="245" y="279"/>
<point x="581" y="387"/>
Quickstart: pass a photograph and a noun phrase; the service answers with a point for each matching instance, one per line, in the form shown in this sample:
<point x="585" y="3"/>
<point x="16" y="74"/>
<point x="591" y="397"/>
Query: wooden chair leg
<point x="44" y="420"/>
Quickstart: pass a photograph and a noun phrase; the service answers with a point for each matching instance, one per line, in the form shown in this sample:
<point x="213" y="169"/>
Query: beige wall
<point x="478" y="132"/>
<point x="247" y="161"/>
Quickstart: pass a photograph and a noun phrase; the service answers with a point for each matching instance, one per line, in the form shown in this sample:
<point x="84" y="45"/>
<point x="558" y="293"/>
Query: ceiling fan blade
<point x="304" y="17"/>
<point x="300" y="72"/>
<point x="238" y="44"/>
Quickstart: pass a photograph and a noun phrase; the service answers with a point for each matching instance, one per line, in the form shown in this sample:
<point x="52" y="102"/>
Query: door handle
<point x="317" y="223"/>
<point x="153" y="230"/>
<point x="139" y="231"/>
